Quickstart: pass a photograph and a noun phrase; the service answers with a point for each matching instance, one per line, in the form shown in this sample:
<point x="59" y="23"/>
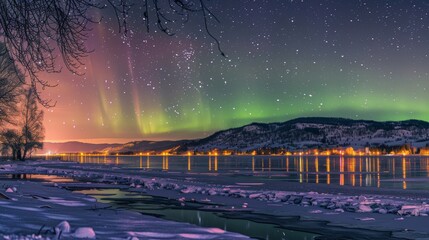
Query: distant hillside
<point x="147" y="146"/>
<point x="75" y="147"/>
<point x="313" y="132"/>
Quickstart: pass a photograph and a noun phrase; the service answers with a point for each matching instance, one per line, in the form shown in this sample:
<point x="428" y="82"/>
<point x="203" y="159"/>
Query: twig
<point x="40" y="230"/>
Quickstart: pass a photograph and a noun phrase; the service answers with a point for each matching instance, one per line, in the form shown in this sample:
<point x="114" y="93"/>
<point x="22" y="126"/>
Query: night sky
<point x="286" y="59"/>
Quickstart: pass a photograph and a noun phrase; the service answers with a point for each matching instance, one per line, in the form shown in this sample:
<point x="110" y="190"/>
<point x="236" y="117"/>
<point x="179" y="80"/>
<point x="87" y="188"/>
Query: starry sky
<point x="285" y="59"/>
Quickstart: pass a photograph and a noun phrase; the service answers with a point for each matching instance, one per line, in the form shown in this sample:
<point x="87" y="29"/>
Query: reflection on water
<point x="387" y="171"/>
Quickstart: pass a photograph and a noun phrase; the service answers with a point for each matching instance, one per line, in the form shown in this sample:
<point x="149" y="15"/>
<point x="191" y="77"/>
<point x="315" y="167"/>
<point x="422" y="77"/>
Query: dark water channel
<point x="254" y="225"/>
<point x="176" y="211"/>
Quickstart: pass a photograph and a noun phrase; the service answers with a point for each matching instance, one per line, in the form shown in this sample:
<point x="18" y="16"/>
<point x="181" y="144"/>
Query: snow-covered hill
<point x="147" y="146"/>
<point x="302" y="133"/>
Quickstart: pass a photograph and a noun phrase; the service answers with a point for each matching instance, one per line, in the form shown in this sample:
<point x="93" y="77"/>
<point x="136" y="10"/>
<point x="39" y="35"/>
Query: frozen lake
<point x="408" y="172"/>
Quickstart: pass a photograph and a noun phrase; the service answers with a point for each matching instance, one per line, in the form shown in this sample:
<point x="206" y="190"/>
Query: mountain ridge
<point x="316" y="132"/>
<point x="294" y="134"/>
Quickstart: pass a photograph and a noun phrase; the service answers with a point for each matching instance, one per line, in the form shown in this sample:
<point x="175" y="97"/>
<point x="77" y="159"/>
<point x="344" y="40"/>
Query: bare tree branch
<point x="11" y="81"/>
<point x="37" y="32"/>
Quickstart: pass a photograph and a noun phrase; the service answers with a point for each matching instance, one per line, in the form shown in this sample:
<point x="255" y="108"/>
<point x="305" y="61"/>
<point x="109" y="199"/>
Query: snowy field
<point x="40" y="210"/>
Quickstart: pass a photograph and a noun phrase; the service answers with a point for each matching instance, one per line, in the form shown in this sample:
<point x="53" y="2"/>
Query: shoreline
<point x="268" y="198"/>
<point x="78" y="154"/>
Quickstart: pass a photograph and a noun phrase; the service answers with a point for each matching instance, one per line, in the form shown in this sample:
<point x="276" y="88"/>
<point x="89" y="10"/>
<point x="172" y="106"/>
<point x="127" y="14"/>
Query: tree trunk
<point x="24" y="155"/>
<point x="18" y="154"/>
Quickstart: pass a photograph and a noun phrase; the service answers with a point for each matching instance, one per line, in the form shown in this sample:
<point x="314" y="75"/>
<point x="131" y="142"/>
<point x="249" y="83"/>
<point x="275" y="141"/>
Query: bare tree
<point x="36" y="32"/>
<point x="32" y="132"/>
<point x="11" y="82"/>
<point x="28" y="132"/>
<point x="11" y="140"/>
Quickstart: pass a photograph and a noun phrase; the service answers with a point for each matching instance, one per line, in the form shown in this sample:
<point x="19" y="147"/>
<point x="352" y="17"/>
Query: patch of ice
<point x="196" y="236"/>
<point x="63" y="226"/>
<point x="63" y="202"/>
<point x="24" y="208"/>
<point x="366" y="219"/>
<point x="4" y="215"/>
<point x="188" y="190"/>
<point x="250" y="184"/>
<point x="382" y="211"/>
<point x="84" y="232"/>
<point x="362" y="198"/>
<point x="254" y="195"/>
<point x="60" y="216"/>
<point x="408" y="207"/>
<point x="152" y="234"/>
<point x="215" y="230"/>
<point x="364" y="208"/>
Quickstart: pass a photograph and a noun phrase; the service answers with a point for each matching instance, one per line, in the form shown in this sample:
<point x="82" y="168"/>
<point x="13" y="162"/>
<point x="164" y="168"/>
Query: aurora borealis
<point x="286" y="59"/>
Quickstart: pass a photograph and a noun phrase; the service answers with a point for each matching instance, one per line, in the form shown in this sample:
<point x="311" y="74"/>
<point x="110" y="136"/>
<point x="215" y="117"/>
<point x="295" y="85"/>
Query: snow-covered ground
<point x="26" y="207"/>
<point x="36" y="210"/>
